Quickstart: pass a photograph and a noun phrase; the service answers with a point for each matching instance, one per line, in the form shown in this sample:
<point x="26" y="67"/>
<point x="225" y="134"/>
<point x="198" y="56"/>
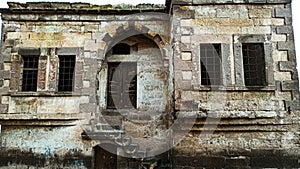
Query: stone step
<point x="132" y="148"/>
<point x="107" y="127"/>
<point x="123" y="141"/>
<point x="113" y="120"/>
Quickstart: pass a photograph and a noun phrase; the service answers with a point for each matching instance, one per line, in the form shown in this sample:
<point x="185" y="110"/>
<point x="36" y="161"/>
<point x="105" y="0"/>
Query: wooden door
<point x="106" y="156"/>
<point x="122" y="85"/>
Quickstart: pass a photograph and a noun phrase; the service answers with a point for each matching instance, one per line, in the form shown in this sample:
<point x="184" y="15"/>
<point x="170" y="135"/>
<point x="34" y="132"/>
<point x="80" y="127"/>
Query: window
<point x="66" y="73"/>
<point x="210" y="56"/>
<point x="122" y="85"/>
<point x="254" y="64"/>
<point x="121" y="49"/>
<point x="30" y="73"/>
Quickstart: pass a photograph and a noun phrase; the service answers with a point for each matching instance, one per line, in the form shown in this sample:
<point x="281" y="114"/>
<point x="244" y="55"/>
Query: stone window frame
<point x="226" y="67"/>
<point x="66" y="52"/>
<point x="239" y="66"/>
<point x="46" y="54"/>
<point x="26" y="52"/>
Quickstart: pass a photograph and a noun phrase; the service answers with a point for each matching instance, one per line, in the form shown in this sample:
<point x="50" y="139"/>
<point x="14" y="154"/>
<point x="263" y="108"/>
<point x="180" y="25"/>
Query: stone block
<point x="9" y="43"/>
<point x="293" y="105"/>
<point x="91" y="45"/>
<point x="189" y="105"/>
<point x="88" y="91"/>
<point x="185" y="30"/>
<point x="289" y="85"/>
<point x="280" y="55"/>
<point x="279" y="1"/>
<point x="283" y="12"/>
<point x="286" y="45"/>
<point x="186" y="56"/>
<point x="182" y="2"/>
<point x="187" y="75"/>
<point x="266" y="21"/>
<point x="276" y="37"/>
<point x="91" y="27"/>
<point x="257" y="1"/>
<point x="185" y="39"/>
<point x="260" y="13"/>
<point x="288" y="21"/>
<point x="229" y="30"/>
<point x="282" y="76"/>
<point x="88" y="17"/>
<point x="5" y="74"/>
<point x="233" y="12"/>
<point x="107" y="38"/>
<point x="287" y="66"/>
<point x="265" y="114"/>
<point x="291" y="54"/>
<point x="295" y="75"/>
<point x="88" y="108"/>
<point x="222" y="22"/>
<point x="205" y="12"/>
<point x="284" y="29"/>
<point x="3" y="108"/>
<point x="183" y="13"/>
<point x="256" y="30"/>
<point x="202" y="30"/>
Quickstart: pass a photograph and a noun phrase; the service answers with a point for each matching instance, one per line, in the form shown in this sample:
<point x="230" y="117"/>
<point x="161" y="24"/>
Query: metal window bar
<point x="210" y="56"/>
<point x="254" y="64"/>
<point x="66" y="73"/>
<point x="30" y="73"/>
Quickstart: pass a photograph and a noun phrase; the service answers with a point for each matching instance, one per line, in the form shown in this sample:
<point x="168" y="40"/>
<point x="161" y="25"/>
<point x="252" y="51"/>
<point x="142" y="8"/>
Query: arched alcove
<point x="143" y="62"/>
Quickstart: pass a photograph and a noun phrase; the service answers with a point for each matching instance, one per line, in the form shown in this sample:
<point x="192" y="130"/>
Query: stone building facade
<point x="188" y="84"/>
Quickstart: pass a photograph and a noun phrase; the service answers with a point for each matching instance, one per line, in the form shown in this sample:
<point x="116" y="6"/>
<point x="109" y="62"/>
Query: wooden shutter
<point x="122" y="85"/>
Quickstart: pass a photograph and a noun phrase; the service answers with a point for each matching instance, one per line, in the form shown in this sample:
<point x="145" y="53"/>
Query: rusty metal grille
<point x="211" y="73"/>
<point x="254" y="64"/>
<point x="30" y="73"/>
<point x="121" y="49"/>
<point x="66" y="73"/>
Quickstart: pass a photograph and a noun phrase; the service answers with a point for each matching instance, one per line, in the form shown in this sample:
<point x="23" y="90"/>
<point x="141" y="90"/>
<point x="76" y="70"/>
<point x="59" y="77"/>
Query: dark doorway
<point x="106" y="156"/>
<point x="122" y="85"/>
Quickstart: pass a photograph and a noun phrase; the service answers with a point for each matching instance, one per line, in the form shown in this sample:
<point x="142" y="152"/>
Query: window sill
<point x="234" y="88"/>
<point x="47" y="94"/>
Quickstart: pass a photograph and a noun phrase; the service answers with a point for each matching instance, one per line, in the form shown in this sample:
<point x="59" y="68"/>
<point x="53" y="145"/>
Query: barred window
<point x="210" y="56"/>
<point x="121" y="49"/>
<point x="66" y="73"/>
<point x="30" y="73"/>
<point x="254" y="64"/>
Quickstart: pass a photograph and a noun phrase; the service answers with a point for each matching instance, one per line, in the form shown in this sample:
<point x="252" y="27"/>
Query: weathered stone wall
<point x="252" y="128"/>
<point x="228" y="126"/>
<point x="47" y="125"/>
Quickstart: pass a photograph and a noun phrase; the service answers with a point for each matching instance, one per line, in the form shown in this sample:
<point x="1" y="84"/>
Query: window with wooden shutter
<point x="122" y="85"/>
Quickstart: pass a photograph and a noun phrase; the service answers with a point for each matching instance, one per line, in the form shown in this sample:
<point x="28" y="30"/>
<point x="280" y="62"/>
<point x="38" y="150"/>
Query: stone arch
<point x="123" y="32"/>
<point x="148" y="46"/>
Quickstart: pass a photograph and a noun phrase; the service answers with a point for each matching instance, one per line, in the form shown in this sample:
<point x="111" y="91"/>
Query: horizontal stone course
<point x="198" y="2"/>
